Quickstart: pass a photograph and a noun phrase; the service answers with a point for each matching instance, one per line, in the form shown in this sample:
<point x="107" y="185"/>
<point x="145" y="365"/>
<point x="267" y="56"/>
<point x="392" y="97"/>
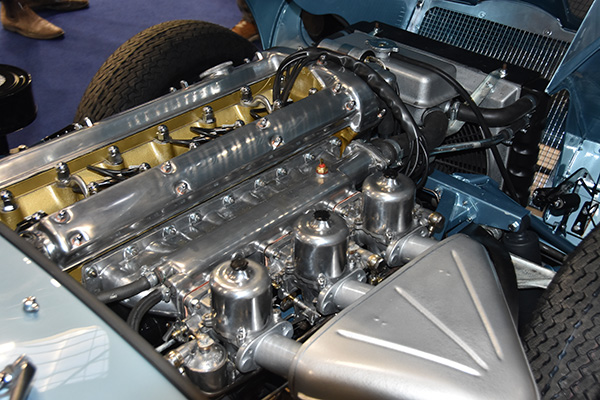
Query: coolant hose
<point x="435" y="125"/>
<point x="498" y="116"/>
<point x="124" y="292"/>
<point x="142" y="307"/>
<point x="481" y="120"/>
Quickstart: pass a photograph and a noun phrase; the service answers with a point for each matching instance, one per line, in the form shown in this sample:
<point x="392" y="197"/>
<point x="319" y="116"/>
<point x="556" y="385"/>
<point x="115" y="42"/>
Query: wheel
<point x="151" y="62"/>
<point x="562" y="341"/>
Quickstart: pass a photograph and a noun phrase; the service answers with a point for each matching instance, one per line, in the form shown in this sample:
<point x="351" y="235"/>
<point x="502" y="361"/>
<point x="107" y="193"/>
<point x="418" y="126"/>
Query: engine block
<point x="247" y="223"/>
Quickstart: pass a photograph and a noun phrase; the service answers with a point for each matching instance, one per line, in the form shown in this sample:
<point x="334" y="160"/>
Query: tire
<point x="562" y="341"/>
<point x="151" y="62"/>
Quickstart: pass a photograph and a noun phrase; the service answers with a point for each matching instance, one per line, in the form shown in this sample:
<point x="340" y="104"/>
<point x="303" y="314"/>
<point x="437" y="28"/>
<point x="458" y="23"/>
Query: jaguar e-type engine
<point x="269" y="214"/>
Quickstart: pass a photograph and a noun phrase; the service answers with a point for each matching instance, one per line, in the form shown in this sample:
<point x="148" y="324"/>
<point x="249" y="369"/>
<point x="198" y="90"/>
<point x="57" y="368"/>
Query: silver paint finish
<point x="418" y="87"/>
<point x="276" y="353"/>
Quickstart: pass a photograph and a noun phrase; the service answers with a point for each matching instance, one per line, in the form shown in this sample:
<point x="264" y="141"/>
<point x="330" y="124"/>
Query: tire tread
<point x="562" y="341"/>
<point x="135" y="72"/>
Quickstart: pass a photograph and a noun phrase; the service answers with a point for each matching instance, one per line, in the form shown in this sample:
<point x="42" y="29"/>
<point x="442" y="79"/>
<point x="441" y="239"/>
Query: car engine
<point x="276" y="218"/>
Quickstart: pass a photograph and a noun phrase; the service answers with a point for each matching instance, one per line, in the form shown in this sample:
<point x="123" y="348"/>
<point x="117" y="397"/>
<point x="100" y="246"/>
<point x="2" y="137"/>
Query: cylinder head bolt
<point x="63" y="173"/>
<point x="320" y="245"/>
<point x="8" y="201"/>
<point x="114" y="156"/>
<point x="241" y="299"/>
<point x="389" y="199"/>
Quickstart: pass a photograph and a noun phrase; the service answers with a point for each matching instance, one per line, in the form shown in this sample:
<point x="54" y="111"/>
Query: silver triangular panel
<point x="438" y="328"/>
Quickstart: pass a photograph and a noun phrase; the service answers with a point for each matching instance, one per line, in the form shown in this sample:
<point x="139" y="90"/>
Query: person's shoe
<point x="247" y="30"/>
<point x="24" y="21"/>
<point x="58" y="5"/>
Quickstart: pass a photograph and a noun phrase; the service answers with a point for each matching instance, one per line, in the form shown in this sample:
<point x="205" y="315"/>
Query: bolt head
<point x="182" y="188"/>
<point x="170" y="231"/>
<point x="195" y="218"/>
<point x="62" y="217"/>
<point x="281" y="172"/>
<point x="276" y="142"/>
<point x="335" y="141"/>
<point x="228" y="200"/>
<point x="263" y="123"/>
<point x="514" y="226"/>
<point x="167" y="167"/>
<point x="77" y="240"/>
<point x="30" y="305"/>
<point x="91" y="272"/>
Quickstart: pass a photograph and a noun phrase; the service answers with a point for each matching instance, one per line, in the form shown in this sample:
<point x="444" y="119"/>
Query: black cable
<point x="134" y="319"/>
<point x="467" y="98"/>
<point x="283" y="67"/>
<point x="125" y="291"/>
<point x="294" y="63"/>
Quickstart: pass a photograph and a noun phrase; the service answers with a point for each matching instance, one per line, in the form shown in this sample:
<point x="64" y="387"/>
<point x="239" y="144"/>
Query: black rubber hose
<point x="435" y="126"/>
<point x="495" y="117"/>
<point x="125" y="291"/>
<point x="480" y="120"/>
<point x="142" y="307"/>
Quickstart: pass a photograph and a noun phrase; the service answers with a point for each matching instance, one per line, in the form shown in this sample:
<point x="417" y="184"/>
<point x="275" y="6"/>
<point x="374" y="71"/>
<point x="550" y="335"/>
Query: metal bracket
<point x="325" y="303"/>
<point x="483" y="90"/>
<point x="466" y="198"/>
<point x="244" y="359"/>
<point x="531" y="275"/>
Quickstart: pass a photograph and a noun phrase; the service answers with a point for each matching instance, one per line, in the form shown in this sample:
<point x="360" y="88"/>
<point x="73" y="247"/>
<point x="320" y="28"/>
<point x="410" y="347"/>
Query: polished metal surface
<point x="208" y="366"/>
<point x="193" y="244"/>
<point x="40" y="158"/>
<point x="389" y="199"/>
<point x="408" y="339"/>
<point x="418" y="87"/>
<point x="531" y="275"/>
<point x="30" y="305"/>
<point x="320" y="245"/>
<point x="287" y="220"/>
<point x="151" y="197"/>
<point x="241" y="299"/>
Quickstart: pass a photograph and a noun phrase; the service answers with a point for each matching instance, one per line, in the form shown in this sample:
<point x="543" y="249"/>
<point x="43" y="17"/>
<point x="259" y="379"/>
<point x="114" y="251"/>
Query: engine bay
<point x="277" y="216"/>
